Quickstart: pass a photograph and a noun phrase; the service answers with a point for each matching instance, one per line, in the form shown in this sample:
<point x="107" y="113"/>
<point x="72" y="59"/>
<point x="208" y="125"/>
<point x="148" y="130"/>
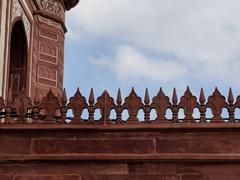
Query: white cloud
<point x="131" y="64"/>
<point x="204" y="34"/>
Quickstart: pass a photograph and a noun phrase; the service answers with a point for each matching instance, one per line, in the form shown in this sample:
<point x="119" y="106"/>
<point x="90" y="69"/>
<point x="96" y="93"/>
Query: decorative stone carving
<point x="17" y="11"/>
<point x="48" y="52"/>
<point x="22" y="104"/>
<point x="217" y="102"/>
<point x="77" y="103"/>
<point x="105" y="103"/>
<point x="50" y="104"/>
<point x="188" y="102"/>
<point x="50" y="23"/>
<point x="53" y="7"/>
<point x="48" y="34"/>
<point x="133" y="103"/>
<point x="161" y="103"/>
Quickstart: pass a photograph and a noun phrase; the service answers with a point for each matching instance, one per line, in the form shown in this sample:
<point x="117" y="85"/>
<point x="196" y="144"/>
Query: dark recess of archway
<point x="18" y="59"/>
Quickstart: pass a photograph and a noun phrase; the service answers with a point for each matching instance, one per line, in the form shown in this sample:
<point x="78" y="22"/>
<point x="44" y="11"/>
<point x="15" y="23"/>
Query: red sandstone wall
<point x="72" y="152"/>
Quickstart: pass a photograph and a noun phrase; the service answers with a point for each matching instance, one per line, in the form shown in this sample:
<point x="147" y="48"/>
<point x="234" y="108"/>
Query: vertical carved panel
<point x="48" y="52"/>
<point x="47" y="76"/>
<point x="50" y="61"/>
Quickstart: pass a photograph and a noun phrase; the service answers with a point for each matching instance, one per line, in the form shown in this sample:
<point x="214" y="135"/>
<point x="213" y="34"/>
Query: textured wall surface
<point x="72" y="152"/>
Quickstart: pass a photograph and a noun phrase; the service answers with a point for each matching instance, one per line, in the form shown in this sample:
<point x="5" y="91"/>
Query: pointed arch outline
<point x="17" y="69"/>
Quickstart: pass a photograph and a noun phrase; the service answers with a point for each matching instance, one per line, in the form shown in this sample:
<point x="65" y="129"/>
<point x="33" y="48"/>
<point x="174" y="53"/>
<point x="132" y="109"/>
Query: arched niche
<point x="17" y="79"/>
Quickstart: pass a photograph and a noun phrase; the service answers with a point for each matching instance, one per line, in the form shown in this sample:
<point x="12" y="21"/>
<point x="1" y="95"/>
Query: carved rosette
<point x="17" y="11"/>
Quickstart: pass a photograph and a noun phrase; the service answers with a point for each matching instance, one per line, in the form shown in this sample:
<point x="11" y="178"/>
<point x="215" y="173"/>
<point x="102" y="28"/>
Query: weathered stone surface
<point x="123" y="154"/>
<point x="199" y="143"/>
<point x="13" y="145"/>
<point x="131" y="177"/>
<point x="6" y="177"/>
<point x="64" y="168"/>
<point x="115" y="146"/>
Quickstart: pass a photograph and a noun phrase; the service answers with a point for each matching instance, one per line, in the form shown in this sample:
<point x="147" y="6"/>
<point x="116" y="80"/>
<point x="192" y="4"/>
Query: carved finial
<point x="91" y="97"/>
<point x="119" y="97"/>
<point x="230" y="96"/>
<point x="133" y="91"/>
<point x="37" y="97"/>
<point x="217" y="91"/>
<point x="202" y="98"/>
<point x="146" y="99"/>
<point x="133" y="103"/>
<point x="161" y="91"/>
<point x="78" y="92"/>
<point x="9" y="98"/>
<point x="174" y="97"/>
<point x="50" y="104"/>
<point x="217" y="102"/>
<point x="64" y="97"/>
<point x="105" y="93"/>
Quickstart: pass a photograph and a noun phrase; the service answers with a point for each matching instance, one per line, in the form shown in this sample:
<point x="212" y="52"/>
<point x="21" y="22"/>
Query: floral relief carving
<point x="53" y="7"/>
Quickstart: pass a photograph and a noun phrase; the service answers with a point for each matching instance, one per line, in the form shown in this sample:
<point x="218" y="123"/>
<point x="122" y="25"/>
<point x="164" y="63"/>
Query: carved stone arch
<point x="18" y="62"/>
<point x="18" y="13"/>
<point x="14" y="21"/>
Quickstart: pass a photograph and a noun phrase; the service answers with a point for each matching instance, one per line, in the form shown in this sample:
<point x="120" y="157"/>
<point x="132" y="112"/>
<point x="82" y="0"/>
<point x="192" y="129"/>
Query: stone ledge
<point x="131" y="158"/>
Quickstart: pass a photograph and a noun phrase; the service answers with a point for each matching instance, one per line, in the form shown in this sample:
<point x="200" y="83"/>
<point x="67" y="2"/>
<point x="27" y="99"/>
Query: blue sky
<point x="114" y="44"/>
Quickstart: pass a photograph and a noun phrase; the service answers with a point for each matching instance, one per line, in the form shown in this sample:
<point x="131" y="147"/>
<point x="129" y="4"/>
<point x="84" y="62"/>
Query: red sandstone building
<point x="32" y="45"/>
<point x="37" y="143"/>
